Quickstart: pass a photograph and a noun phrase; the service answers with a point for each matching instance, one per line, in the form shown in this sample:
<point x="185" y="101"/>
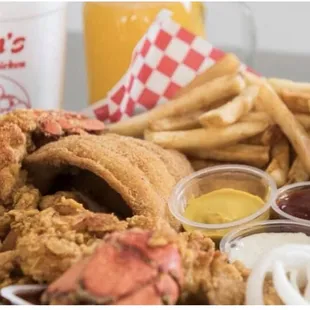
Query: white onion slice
<point x="307" y="289"/>
<point x="285" y="290"/>
<point x="292" y="260"/>
<point x="293" y="279"/>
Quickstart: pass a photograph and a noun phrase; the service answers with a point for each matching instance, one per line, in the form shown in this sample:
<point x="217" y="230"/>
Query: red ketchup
<point x="296" y="203"/>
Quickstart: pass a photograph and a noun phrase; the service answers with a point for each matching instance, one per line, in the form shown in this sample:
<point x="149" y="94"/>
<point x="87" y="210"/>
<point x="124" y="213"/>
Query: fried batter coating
<point x="226" y="285"/>
<point x="124" y="175"/>
<point x="26" y="198"/>
<point x="7" y="263"/>
<point x="44" y="235"/>
<point x="50" y="241"/>
<point x="12" y="145"/>
<point x="56" y="199"/>
<point x="209" y="277"/>
<point x="11" y="178"/>
<point x="5" y="221"/>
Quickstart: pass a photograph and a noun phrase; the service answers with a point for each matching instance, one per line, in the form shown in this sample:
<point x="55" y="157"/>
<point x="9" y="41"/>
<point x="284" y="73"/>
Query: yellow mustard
<point x="221" y="206"/>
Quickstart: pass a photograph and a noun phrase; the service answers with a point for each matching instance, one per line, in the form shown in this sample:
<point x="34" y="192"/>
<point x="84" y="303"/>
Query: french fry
<point x="279" y="165"/>
<point x="272" y="135"/>
<point x="205" y="138"/>
<point x="280" y="84"/>
<point x="297" y="172"/>
<point x="303" y="119"/>
<point x="198" y="98"/>
<point x="199" y="164"/>
<point x="256" y="117"/>
<point x="256" y="155"/>
<point x="289" y="125"/>
<point x="252" y="79"/>
<point x="173" y="123"/>
<point x="232" y="111"/>
<point x="296" y="101"/>
<point x="229" y="64"/>
<point x="269" y="137"/>
<point x="183" y="122"/>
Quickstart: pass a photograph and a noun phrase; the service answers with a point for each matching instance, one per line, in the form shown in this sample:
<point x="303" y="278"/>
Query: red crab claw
<point x="126" y="269"/>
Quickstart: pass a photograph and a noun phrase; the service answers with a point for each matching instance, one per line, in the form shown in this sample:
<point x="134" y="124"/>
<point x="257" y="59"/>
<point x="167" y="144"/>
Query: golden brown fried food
<point x="209" y="277"/>
<point x="60" y="200"/>
<point x="52" y="123"/>
<point x="8" y="264"/>
<point x="26" y="198"/>
<point x="121" y="174"/>
<point x="5" y="222"/>
<point x="48" y="242"/>
<point x="270" y="295"/>
<point x="12" y="144"/>
<point x="226" y="285"/>
<point x="130" y="177"/>
<point x="12" y="177"/>
<point x="22" y="131"/>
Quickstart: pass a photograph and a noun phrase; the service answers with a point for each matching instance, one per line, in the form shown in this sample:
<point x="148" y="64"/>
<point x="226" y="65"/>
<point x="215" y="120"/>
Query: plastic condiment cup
<point x="233" y="239"/>
<point x="238" y="177"/>
<point x="283" y="192"/>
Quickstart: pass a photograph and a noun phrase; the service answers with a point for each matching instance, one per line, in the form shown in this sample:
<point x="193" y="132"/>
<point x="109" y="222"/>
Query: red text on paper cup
<point x="11" y="44"/>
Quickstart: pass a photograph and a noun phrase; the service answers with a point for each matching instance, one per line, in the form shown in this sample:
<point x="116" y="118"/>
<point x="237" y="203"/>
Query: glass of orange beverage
<point x="112" y="30"/>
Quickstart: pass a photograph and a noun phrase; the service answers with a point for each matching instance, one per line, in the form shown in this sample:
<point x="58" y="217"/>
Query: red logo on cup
<point x="12" y="95"/>
<point x="11" y="43"/>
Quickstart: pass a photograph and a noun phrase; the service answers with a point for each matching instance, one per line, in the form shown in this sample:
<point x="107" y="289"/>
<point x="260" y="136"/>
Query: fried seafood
<point x="50" y="241"/>
<point x="139" y="273"/>
<point x="150" y="268"/>
<point x="51" y="231"/>
<point x="123" y="175"/>
<point x="22" y="131"/>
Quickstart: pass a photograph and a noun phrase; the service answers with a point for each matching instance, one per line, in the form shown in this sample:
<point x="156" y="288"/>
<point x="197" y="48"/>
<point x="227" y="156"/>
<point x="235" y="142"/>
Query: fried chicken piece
<point x="22" y="131"/>
<point x="26" y="198"/>
<point x="209" y="277"/>
<point x="63" y="201"/>
<point x="8" y="264"/>
<point x="5" y="221"/>
<point x="140" y="272"/>
<point x="227" y="286"/>
<point x="159" y="269"/>
<point x="12" y="145"/>
<point x="12" y="151"/>
<point x="197" y="254"/>
<point x="50" y="241"/>
<point x="88" y="203"/>
<point x="11" y="178"/>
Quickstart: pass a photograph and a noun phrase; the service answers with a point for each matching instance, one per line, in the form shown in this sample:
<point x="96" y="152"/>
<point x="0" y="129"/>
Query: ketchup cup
<point x="292" y="202"/>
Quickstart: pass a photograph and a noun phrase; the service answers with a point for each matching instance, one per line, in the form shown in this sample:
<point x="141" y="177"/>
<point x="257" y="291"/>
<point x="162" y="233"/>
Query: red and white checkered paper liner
<point x="167" y="58"/>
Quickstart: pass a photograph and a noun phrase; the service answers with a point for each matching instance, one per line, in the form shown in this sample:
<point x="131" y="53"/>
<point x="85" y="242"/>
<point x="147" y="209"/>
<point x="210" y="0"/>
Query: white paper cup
<point x="32" y="51"/>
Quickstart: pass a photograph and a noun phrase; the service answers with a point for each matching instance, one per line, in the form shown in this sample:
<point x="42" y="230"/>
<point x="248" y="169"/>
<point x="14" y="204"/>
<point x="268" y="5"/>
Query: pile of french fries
<point x="228" y="115"/>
